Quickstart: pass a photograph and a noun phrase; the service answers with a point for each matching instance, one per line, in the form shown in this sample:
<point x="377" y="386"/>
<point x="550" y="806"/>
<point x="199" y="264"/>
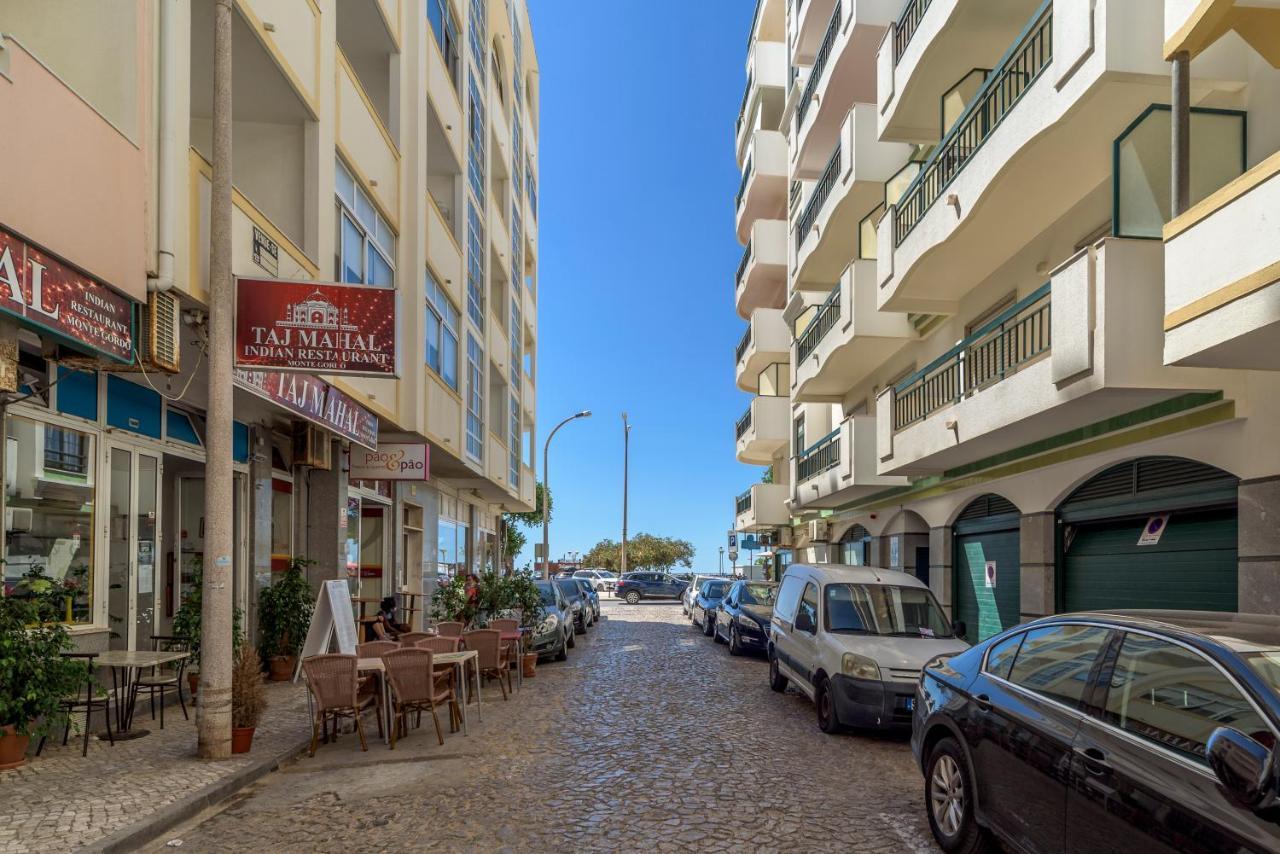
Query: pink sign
<point x="315" y="400"/>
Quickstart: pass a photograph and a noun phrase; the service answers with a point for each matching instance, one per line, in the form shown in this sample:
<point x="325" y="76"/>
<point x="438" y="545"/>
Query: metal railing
<point x="1017" y="71"/>
<point x="826" y="318"/>
<point x="818" y="457"/>
<point x="743" y="345"/>
<point x="746" y="176"/>
<point x="744" y="424"/>
<point x="819" y="196"/>
<point x="742" y="503"/>
<point x="742" y="266"/>
<point x="908" y="23"/>
<point x="993" y="351"/>
<point x="819" y="63"/>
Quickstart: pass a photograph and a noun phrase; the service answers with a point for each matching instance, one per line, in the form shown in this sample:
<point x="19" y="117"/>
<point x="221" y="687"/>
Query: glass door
<point x="133" y="545"/>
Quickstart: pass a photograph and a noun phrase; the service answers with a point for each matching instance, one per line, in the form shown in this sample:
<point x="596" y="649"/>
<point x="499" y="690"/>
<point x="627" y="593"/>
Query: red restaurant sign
<point x="316" y="327"/>
<point x="315" y="400"/>
<point x="41" y="290"/>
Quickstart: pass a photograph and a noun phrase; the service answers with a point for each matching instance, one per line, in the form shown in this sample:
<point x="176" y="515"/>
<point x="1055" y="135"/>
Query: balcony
<point x="767" y="340"/>
<point x="1036" y="138"/>
<point x="848" y="188"/>
<point x="763" y="430"/>
<point x="761" y="508"/>
<point x="761" y="281"/>
<point x="847" y="340"/>
<point x="763" y="191"/>
<point x="1222" y="276"/>
<point x="1083" y="348"/>
<point x="840" y="467"/>
<point x="765" y="93"/>
<point x="843" y="73"/>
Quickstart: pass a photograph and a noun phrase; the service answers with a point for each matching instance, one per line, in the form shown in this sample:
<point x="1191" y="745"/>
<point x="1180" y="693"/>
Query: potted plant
<point x="449" y="601"/>
<point x="526" y="598"/>
<point x="186" y="625"/>
<point x="284" y="615"/>
<point x="248" y="697"/>
<point x="34" y="676"/>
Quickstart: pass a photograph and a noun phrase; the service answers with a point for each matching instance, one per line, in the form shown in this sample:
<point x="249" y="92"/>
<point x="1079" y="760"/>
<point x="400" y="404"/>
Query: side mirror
<point x="1243" y="766"/>
<point x="804" y="623"/>
<point x="960" y="629"/>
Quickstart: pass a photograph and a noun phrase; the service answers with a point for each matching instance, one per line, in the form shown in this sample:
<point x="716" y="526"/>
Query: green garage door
<point x="987" y="532"/>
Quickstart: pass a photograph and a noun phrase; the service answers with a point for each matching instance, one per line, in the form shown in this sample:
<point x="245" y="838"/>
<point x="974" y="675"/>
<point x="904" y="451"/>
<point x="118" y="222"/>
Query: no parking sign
<point x="1153" y="530"/>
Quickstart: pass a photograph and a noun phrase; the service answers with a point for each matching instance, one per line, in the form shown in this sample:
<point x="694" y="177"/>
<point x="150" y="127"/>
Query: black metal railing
<point x="742" y="266"/>
<point x="744" y="424"/>
<point x="818" y="457"/>
<point x="819" y="63"/>
<point x="743" y="345"/>
<point x="826" y="318"/>
<point x="993" y="351"/>
<point x="819" y="196"/>
<point x="742" y="503"/>
<point x="742" y="188"/>
<point x="1014" y="75"/>
<point x="908" y="23"/>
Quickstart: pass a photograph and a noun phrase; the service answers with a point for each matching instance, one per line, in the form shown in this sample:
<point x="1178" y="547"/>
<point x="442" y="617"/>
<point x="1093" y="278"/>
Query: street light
<point x="546" y="489"/>
<point x="722" y="560"/>
<point x="626" y="455"/>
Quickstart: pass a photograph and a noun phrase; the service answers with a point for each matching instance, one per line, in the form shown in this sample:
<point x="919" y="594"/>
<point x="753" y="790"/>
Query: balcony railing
<point x="755" y="19"/>
<point x="819" y="63"/>
<point x="742" y="266"/>
<point x="995" y="350"/>
<point x="818" y="457"/>
<point x="746" y="95"/>
<point x="820" y="192"/>
<point x="743" y="345"/>
<point x="908" y="23"/>
<point x="742" y="188"/>
<point x="820" y="326"/>
<point x="744" y="424"/>
<point x="742" y="503"/>
<point x="1017" y="71"/>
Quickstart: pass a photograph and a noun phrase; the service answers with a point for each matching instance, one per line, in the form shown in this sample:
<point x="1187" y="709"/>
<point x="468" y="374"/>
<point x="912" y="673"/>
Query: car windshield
<point x="545" y="593"/>
<point x="715" y="589"/>
<point x="569" y="587"/>
<point x="884" y="609"/>
<point x="1266" y="663"/>
<point x="757" y="594"/>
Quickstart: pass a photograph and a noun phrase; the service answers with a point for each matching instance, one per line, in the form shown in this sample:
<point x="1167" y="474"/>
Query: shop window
<point x="451" y="557"/>
<point x="239" y="442"/>
<point x="365" y="246"/>
<point x="78" y="393"/>
<point x="179" y="428"/>
<point x="281" y="523"/>
<point x="49" y="512"/>
<point x="133" y="407"/>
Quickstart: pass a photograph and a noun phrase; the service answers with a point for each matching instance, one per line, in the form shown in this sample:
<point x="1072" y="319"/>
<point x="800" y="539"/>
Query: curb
<point x="141" y="833"/>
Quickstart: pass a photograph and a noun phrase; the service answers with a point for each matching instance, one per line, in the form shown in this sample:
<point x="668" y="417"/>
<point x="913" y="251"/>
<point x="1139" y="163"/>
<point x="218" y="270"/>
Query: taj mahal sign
<point x="318" y="327"/>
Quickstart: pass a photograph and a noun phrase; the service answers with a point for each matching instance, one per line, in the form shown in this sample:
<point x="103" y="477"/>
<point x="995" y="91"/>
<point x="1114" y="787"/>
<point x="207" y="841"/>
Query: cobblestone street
<point x="650" y="737"/>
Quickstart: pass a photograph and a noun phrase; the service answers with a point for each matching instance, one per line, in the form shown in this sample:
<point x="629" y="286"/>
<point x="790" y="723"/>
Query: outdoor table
<point x="457" y="659"/>
<point x="128" y="664"/>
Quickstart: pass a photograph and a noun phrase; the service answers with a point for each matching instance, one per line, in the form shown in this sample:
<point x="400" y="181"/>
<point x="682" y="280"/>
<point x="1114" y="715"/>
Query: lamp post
<point x="722" y="560"/>
<point x="626" y="455"/>
<point x="546" y="489"/>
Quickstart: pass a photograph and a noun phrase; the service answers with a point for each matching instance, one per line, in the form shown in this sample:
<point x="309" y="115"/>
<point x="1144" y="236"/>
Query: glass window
<point x="475" y="399"/>
<point x="1055" y="661"/>
<point x="441" y="333"/>
<point x="955" y="99"/>
<point x="884" y="609"/>
<point x="478" y="33"/>
<point x="513" y="444"/>
<point x="788" y="597"/>
<point x="281" y="523"/>
<point x="899" y="182"/>
<point x="1176" y="698"/>
<point x="475" y="266"/>
<point x="49" y="512"/>
<point x="366" y="246"/>
<point x="1000" y="656"/>
<point x="445" y="28"/>
<point x="475" y="138"/>
<point x="756" y="594"/>
<point x="809" y="606"/>
<point x="797" y="437"/>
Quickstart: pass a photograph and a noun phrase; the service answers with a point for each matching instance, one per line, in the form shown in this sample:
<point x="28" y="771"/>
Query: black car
<point x="743" y="618"/>
<point x="582" y="614"/>
<point x="635" y="586"/>
<point x="702" y="610"/>
<point x="1136" y="731"/>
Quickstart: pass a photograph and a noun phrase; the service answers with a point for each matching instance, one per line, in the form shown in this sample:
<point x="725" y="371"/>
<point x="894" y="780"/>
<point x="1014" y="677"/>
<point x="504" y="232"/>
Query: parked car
<point x="592" y="597"/>
<point x="686" y="598"/>
<point x="742" y="620"/>
<point x="705" y="602"/>
<point x="1129" y="731"/>
<point x="635" y="586"/>
<point x="854" y="639"/>
<point x="601" y="579"/>
<point x="582" y="616"/>
<point x="554" y="635"/>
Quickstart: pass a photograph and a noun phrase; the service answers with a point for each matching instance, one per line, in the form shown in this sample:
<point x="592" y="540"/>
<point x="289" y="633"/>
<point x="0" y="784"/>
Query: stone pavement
<point x="650" y="738"/>
<point x="61" y="801"/>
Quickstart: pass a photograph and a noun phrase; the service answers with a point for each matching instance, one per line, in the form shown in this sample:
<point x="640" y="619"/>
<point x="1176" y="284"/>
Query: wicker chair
<point x="375" y="649"/>
<point x="411" y="638"/>
<point x="507" y="627"/>
<point x="332" y="681"/>
<point x="449" y="630"/>
<point x="439" y="645"/>
<point x="166" y="678"/>
<point x="492" y="657"/>
<point x="417" y="686"/>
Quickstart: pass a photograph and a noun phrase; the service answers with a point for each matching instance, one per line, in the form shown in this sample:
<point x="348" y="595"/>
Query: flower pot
<point x="530" y="664"/>
<point x="193" y="682"/>
<point x="13" y="748"/>
<point x="282" y="666"/>
<point x="241" y="738"/>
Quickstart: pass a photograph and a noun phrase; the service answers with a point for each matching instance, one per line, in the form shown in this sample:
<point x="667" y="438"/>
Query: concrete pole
<point x="1181" y="122"/>
<point x="626" y="460"/>
<point x="213" y="713"/>
<point x="546" y="490"/>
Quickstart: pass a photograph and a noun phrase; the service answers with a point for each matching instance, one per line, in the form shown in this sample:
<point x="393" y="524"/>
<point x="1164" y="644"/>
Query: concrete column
<point x="259" y="520"/>
<point x="430" y="500"/>
<point x="940" y="548"/>
<point x="326" y="522"/>
<point x="1259" y="546"/>
<point x="1036" y="556"/>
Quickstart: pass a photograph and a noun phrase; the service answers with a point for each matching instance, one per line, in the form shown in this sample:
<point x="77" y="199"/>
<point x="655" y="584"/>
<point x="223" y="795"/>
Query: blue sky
<point x="637" y="255"/>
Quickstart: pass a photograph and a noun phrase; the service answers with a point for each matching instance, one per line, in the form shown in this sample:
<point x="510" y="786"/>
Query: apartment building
<point x="1007" y="331"/>
<point x="375" y="142"/>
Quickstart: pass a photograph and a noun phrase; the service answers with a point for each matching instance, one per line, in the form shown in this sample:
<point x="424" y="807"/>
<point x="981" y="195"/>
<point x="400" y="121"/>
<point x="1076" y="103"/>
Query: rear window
<point x="715" y="589"/>
<point x="1055" y="661"/>
<point x="789" y="597"/>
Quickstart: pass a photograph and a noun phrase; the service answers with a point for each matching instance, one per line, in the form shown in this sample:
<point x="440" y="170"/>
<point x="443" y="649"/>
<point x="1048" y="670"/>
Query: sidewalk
<point x="118" y="797"/>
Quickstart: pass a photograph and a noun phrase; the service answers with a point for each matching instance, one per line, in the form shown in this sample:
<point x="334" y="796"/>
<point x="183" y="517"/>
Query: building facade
<point x="1003" y="334"/>
<point x="375" y="142"/>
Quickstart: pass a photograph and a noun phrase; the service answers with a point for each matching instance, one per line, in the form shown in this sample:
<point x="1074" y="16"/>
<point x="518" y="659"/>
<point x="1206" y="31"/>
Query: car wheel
<point x="735" y="643"/>
<point x="570" y="642"/>
<point x="948" y="792"/>
<point x="715" y="632"/>
<point x="777" y="681"/>
<point x="709" y="626"/>
<point x="828" y="720"/>
<point x="562" y="654"/>
<point x="633" y="597"/>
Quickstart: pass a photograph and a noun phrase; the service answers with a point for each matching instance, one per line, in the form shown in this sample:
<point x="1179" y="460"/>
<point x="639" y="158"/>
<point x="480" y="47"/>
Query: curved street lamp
<point x="546" y="488"/>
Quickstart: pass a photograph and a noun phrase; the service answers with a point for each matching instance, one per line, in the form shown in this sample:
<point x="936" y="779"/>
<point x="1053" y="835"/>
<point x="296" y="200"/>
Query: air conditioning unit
<point x="160" y="332"/>
<point x="819" y="530"/>
<point x="312" y="446"/>
<point x="784" y="537"/>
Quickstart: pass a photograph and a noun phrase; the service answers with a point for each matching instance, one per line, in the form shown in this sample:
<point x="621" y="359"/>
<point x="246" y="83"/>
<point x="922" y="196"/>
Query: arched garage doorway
<point x="987" y="572"/>
<point x="1155" y="532"/>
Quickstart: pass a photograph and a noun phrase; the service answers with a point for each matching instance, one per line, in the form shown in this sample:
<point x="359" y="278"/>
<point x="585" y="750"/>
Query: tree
<point x="644" y="552"/>
<point x="516" y="538"/>
<point x="767" y="477"/>
<point x="606" y="554"/>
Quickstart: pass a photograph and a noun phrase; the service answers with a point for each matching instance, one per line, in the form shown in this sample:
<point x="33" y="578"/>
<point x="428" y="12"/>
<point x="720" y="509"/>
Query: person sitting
<point x="384" y="625"/>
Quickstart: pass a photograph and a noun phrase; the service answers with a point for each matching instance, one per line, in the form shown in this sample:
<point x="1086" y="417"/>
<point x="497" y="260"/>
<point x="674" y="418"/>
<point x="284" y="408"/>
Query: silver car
<point x="601" y="579"/>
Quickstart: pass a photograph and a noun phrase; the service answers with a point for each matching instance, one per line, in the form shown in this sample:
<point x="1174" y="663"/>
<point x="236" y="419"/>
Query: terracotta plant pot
<point x="241" y="739"/>
<point x="13" y="748"/>
<point x="282" y="666"/>
<point x="193" y="682"/>
<point x="530" y="664"/>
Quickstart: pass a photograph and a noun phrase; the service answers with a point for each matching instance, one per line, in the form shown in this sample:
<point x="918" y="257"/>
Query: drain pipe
<point x="167" y="144"/>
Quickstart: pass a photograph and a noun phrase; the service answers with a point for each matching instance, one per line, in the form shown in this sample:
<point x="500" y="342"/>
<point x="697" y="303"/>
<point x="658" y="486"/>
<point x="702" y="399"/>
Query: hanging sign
<point x="397" y="461"/>
<point x="315" y="400"/>
<point x="42" y="291"/>
<point x="1153" y="530"/>
<point x="316" y="327"/>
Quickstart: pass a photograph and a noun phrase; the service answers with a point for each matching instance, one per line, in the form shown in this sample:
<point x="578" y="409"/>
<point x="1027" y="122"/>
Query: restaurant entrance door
<point x="133" y="535"/>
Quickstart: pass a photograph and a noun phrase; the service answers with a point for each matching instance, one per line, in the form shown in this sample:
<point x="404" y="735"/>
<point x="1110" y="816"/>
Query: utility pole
<point x="626" y="456"/>
<point x="213" y="711"/>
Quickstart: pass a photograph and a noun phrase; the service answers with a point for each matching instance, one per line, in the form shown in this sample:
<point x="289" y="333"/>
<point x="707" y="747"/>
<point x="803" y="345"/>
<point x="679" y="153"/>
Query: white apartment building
<point x="1002" y="332"/>
<point x="382" y="142"/>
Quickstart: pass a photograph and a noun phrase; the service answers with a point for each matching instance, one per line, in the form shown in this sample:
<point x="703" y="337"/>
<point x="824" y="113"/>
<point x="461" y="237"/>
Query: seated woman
<point x="384" y="625"/>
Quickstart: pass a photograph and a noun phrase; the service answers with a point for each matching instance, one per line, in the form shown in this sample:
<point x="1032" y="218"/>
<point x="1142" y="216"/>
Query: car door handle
<point x="983" y="702"/>
<point x="1095" y="761"/>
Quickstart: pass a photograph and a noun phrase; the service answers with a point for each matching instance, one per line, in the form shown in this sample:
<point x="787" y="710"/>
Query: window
<point x="475" y="136"/>
<point x="797" y="437"/>
<point x="499" y="79"/>
<point x="441" y="333"/>
<point x="475" y="399"/>
<point x="788" y="597"/>
<point x="445" y="27"/>
<point x="1000" y="656"/>
<point x="515" y="342"/>
<point x="66" y="451"/>
<point x="883" y="609"/>
<point x="1176" y="698"/>
<point x="531" y="187"/>
<point x="478" y="33"/>
<point x="475" y="266"/>
<point x="756" y="594"/>
<point x="513" y="444"/>
<point x="809" y="607"/>
<point x="365" y="246"/>
<point x="1056" y="661"/>
<point x="281" y="523"/>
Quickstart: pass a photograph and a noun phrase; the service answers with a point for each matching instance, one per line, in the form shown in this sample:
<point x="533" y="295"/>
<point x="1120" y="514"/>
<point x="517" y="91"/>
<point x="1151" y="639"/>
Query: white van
<point x="854" y="639"/>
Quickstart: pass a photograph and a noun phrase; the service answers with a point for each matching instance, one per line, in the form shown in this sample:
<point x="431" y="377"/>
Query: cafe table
<point x="458" y="660"/>
<point x="126" y="666"/>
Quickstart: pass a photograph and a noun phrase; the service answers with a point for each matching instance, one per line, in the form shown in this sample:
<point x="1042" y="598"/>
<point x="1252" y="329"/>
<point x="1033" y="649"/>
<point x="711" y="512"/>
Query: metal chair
<point x="162" y="679"/>
<point x="88" y="704"/>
